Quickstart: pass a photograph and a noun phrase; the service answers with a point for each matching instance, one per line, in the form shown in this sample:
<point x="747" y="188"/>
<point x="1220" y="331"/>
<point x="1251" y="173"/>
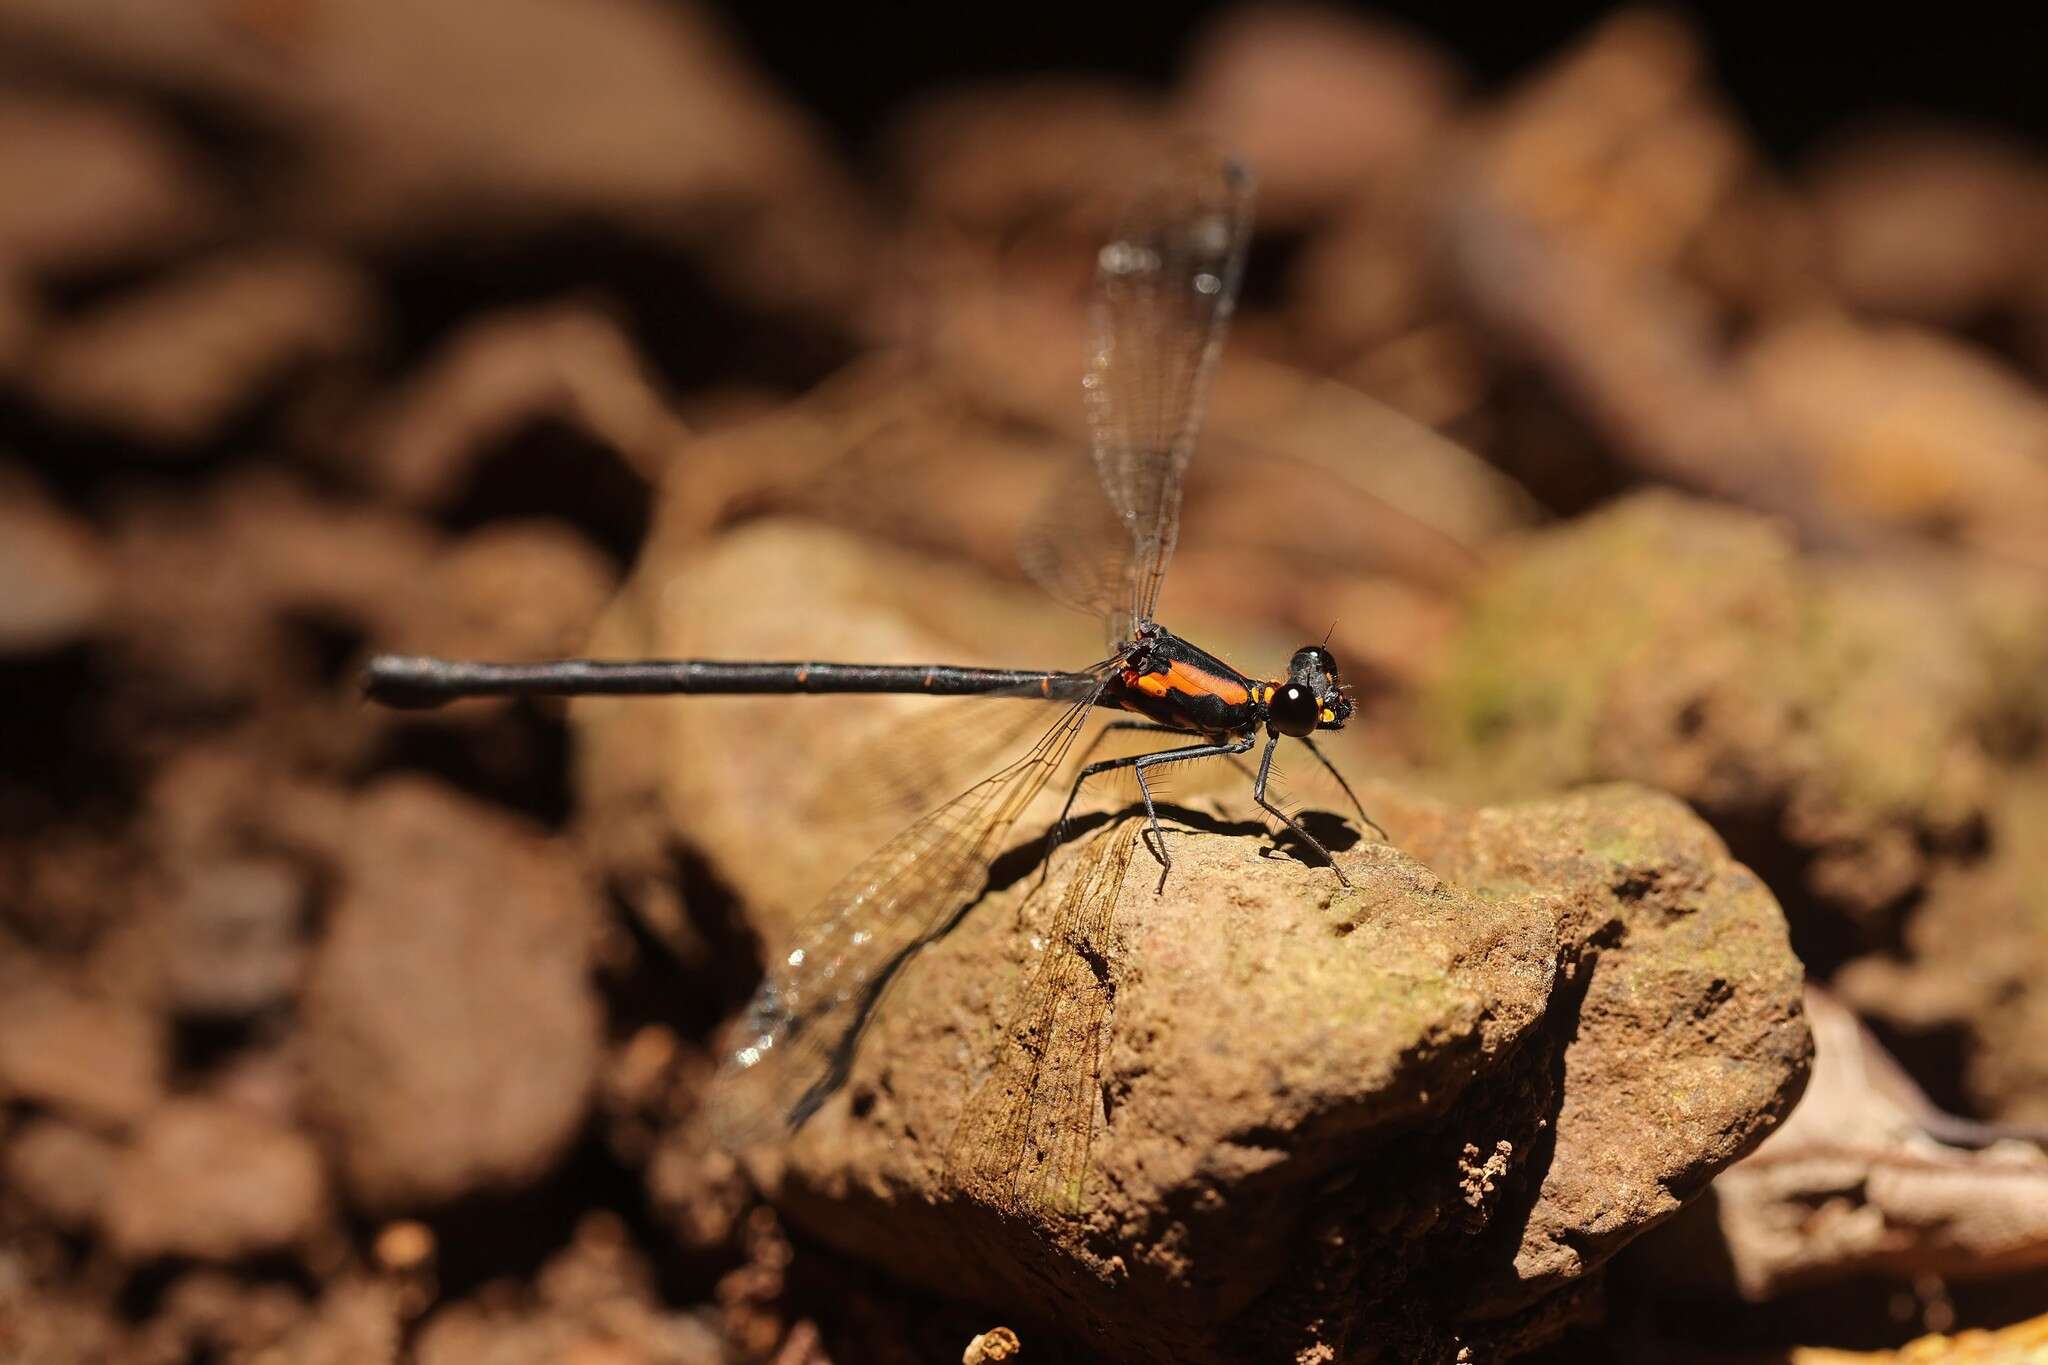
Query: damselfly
<point x="1166" y="285"/>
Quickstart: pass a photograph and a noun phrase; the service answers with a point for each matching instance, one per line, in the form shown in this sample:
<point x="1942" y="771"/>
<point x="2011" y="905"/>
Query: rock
<point x="1685" y="645"/>
<point x="1317" y="101"/>
<point x="451" y="1027"/>
<point x="231" y="934"/>
<point x="1248" y="1109"/>
<point x="1906" y="428"/>
<point x="1976" y="963"/>
<point x="110" y="185"/>
<point x="1255" y="1106"/>
<point x="172" y="364"/>
<point x="1610" y="225"/>
<point x="595" y="1304"/>
<point x="2020" y="1344"/>
<point x="99" y="1060"/>
<point x="53" y="1324"/>
<point x="1689" y="1045"/>
<point x="63" y="1169"/>
<point x="987" y="161"/>
<point x="206" y="1181"/>
<point x="568" y="364"/>
<point x="518" y="590"/>
<point x="489" y="118"/>
<point x="55" y="579"/>
<point x="210" y="1310"/>
<point x="1858" y="1185"/>
<point x="357" y="1322"/>
<point x="1939" y="225"/>
<point x="217" y="592"/>
<point x="1564" y="227"/>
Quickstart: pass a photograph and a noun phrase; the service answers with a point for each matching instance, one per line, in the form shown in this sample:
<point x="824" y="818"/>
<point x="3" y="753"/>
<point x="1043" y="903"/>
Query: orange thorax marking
<point x="1194" y="682"/>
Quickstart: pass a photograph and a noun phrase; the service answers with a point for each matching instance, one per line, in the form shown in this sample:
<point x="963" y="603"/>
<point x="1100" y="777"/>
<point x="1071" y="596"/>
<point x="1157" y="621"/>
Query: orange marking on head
<point x="1193" y="681"/>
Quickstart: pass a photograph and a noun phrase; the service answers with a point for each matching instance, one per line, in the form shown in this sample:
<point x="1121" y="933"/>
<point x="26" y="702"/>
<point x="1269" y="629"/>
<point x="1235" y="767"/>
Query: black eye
<point x="1293" y="710"/>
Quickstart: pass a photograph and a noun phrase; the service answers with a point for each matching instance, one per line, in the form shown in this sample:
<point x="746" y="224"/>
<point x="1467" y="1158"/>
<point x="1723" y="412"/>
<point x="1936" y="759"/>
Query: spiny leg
<point x="1259" y="795"/>
<point x="1058" y="833"/>
<point x="1155" y="833"/>
<point x="1356" y="804"/>
<point x="1089" y="770"/>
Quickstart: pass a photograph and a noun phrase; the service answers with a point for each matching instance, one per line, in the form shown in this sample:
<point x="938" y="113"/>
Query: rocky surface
<point x="204" y="1181"/>
<point x="1866" y="1178"/>
<point x="1527" y="1035"/>
<point x="1541" y="1028"/>
<point x="1862" y="728"/>
<point x="488" y="926"/>
<point x="333" y="1034"/>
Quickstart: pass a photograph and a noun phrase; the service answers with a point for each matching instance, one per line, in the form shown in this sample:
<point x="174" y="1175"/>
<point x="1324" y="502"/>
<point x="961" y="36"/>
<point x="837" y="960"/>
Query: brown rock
<point x="1854" y="1184"/>
<point x="40" y="1324"/>
<point x="989" y="161"/>
<point x="1143" y="1121"/>
<point x="520" y="590"/>
<point x="1685" y="645"/>
<point x="98" y="1060"/>
<point x="1564" y="227"/>
<point x="595" y="1306"/>
<point x="1976" y="963"/>
<point x="568" y="364"/>
<point x="497" y="115"/>
<point x="170" y="365"/>
<point x="1906" y="428"/>
<point x="1690" y="1045"/>
<point x="55" y="579"/>
<point x="108" y="183"/>
<point x="1316" y="101"/>
<point x="1932" y="224"/>
<point x="697" y="1187"/>
<point x="211" y="1310"/>
<point x="357" y="1322"/>
<point x="231" y="934"/>
<point x="204" y="1180"/>
<point x="215" y="593"/>
<point x="451" y="1027"/>
<point x="62" y="1169"/>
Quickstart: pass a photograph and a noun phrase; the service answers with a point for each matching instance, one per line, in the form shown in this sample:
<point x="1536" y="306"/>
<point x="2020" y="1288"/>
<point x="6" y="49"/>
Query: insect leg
<point x="1057" y="835"/>
<point x="1356" y="805"/>
<point x="1155" y="834"/>
<point x="1259" y="795"/>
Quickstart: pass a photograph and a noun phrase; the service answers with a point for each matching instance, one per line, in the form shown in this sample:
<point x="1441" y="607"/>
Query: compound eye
<point x="1294" y="710"/>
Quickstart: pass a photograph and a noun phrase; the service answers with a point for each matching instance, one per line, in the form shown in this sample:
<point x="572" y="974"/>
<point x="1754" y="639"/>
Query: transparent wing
<point x="1165" y="288"/>
<point x="1077" y="548"/>
<point x="1023" y="1139"/>
<point x="791" y="1045"/>
<point x="903" y="771"/>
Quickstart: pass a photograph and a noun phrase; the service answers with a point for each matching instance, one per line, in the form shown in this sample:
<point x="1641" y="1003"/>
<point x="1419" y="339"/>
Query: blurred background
<point x="1645" y="395"/>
